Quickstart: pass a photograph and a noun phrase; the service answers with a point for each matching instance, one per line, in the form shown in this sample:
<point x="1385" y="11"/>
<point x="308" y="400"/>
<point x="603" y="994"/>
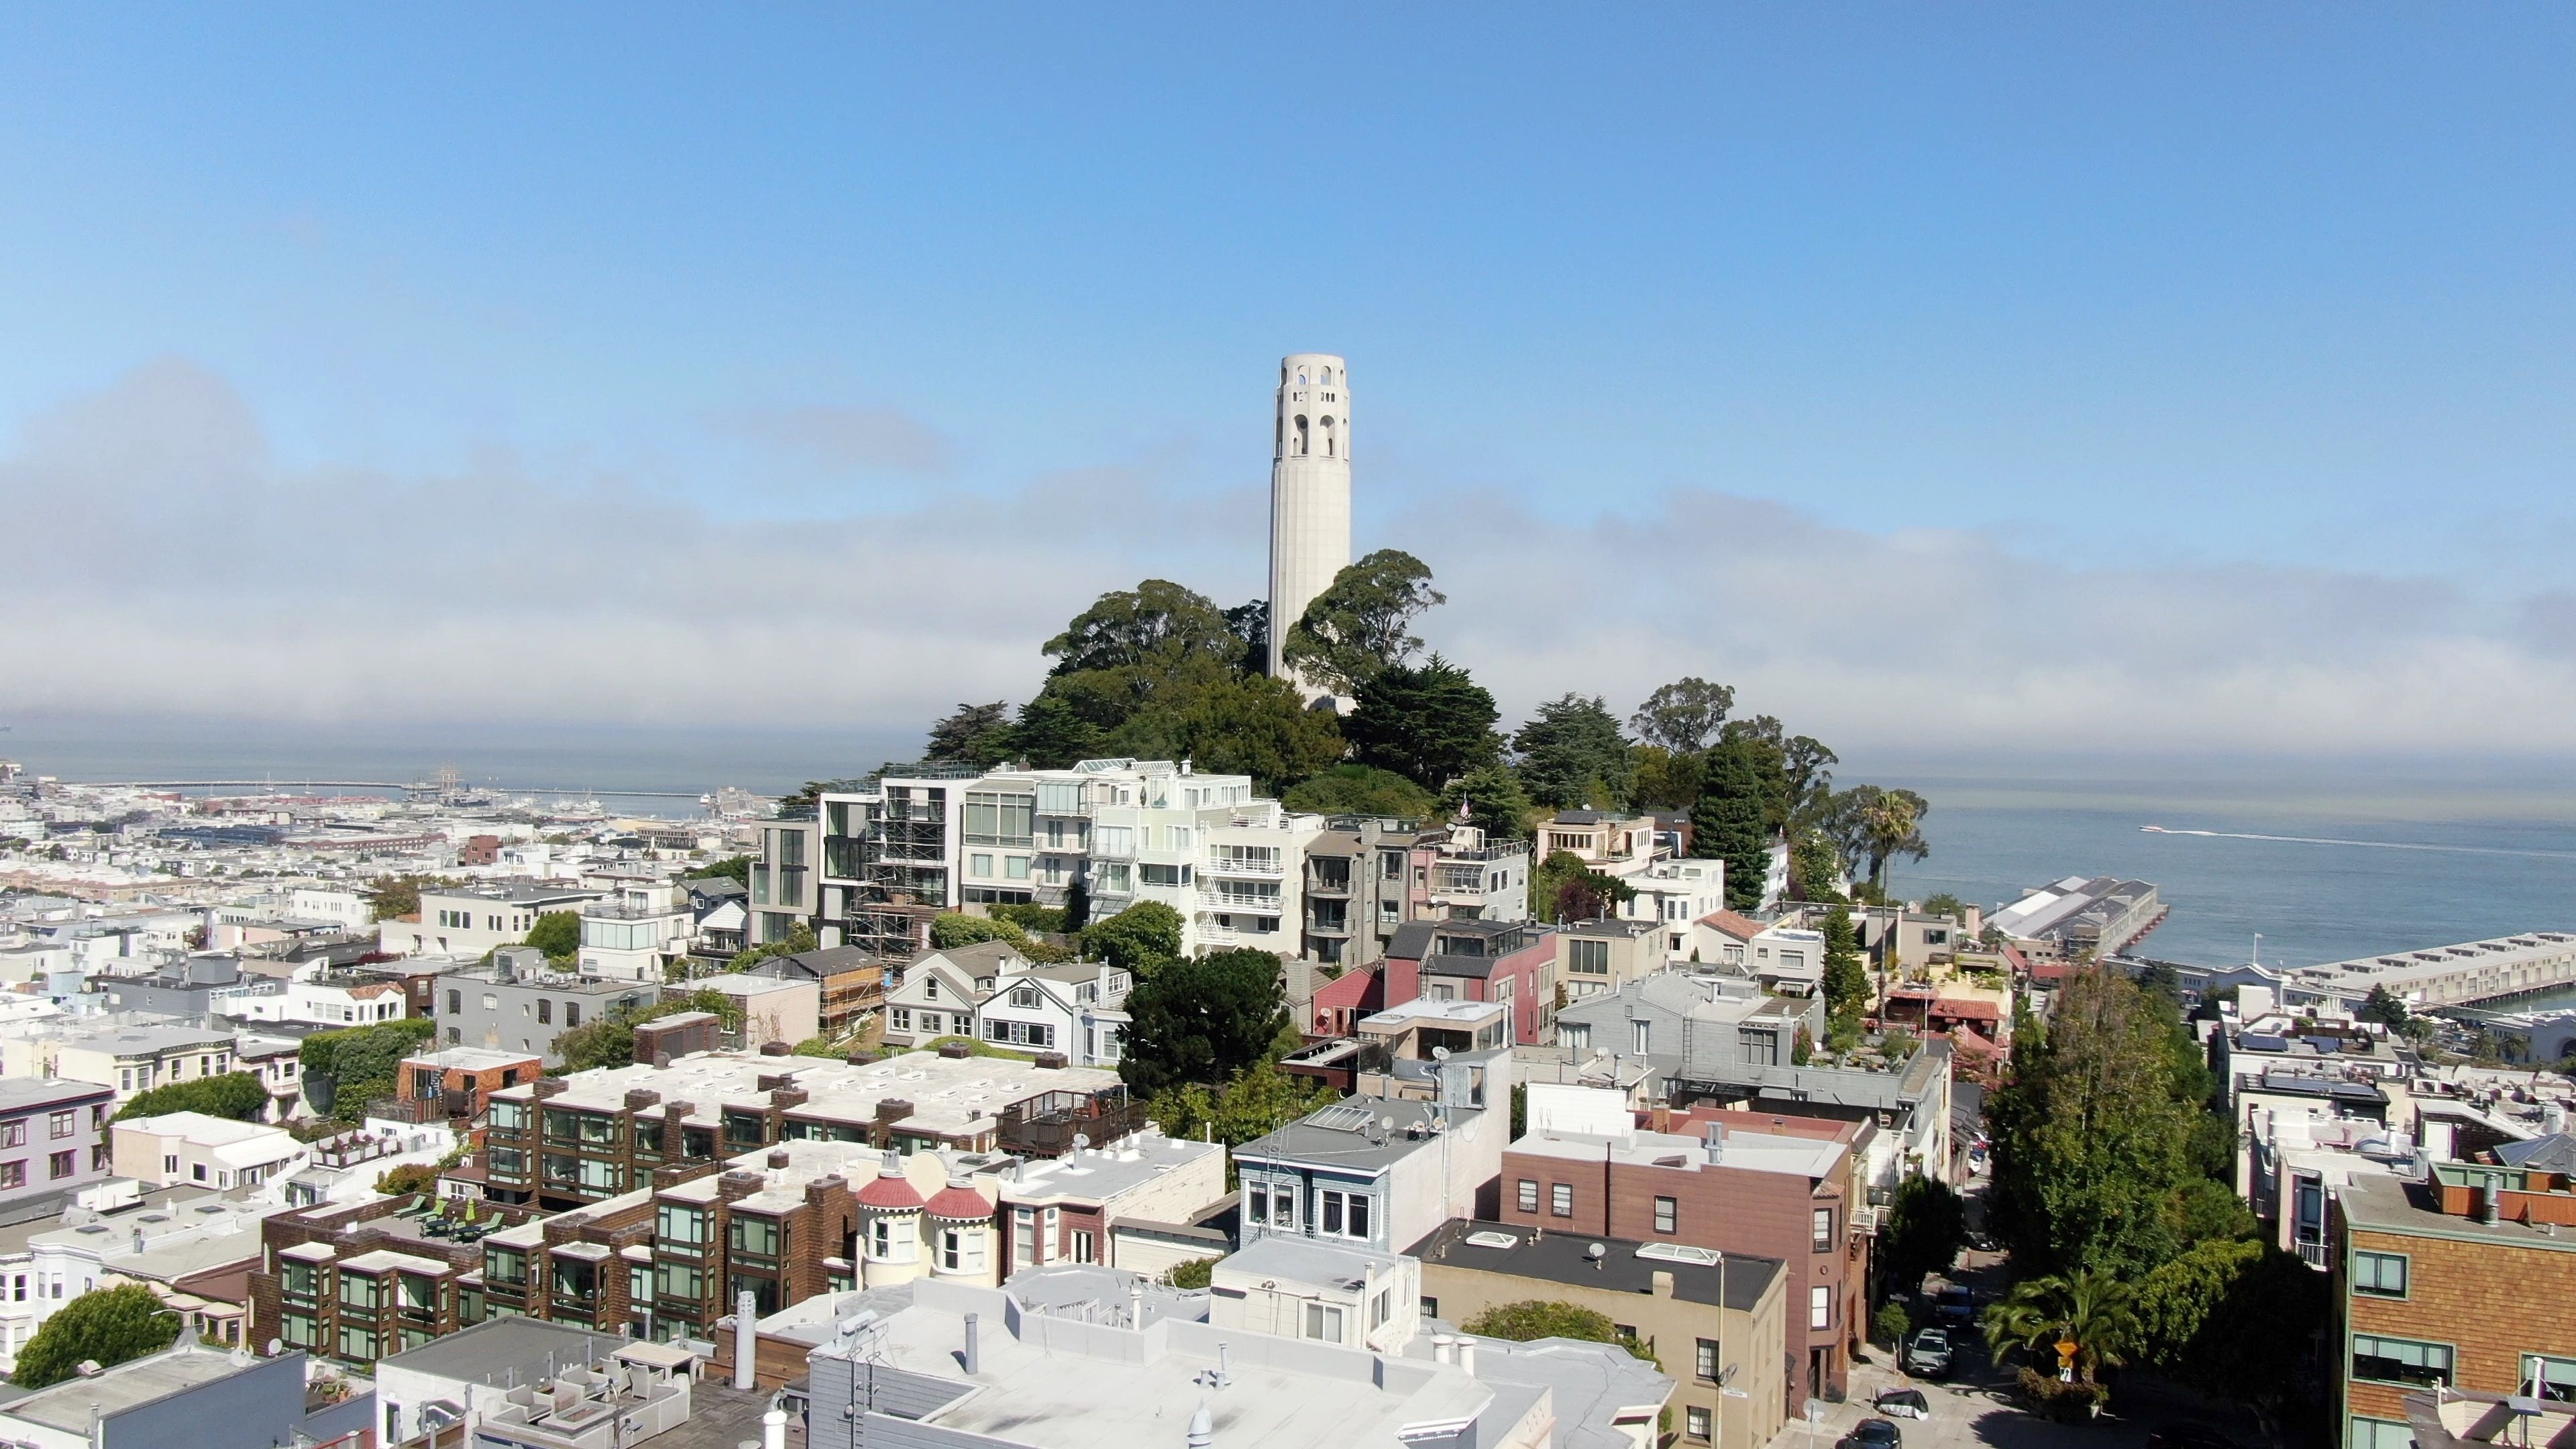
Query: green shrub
<point x="1195" y="1273"/>
<point x="238" y="1095"/>
<point x="1891" y="1324"/>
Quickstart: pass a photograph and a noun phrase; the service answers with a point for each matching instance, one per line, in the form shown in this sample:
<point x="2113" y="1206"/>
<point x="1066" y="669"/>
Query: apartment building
<point x="1597" y="956"/>
<point x="197" y="1150"/>
<point x="361" y="1281"/>
<point x="636" y="931"/>
<point x="471" y="920"/>
<point x="1609" y="842"/>
<point x="1585" y="1168"/>
<point x="1377" y="1172"/>
<point x="1068" y="1209"/>
<point x="453" y="1083"/>
<point x="316" y="995"/>
<point x="565" y="1141"/>
<point x="1713" y="1320"/>
<point x="191" y="1247"/>
<point x="53" y="1139"/>
<point x="130" y="1054"/>
<point x="785" y="889"/>
<point x="1672" y="894"/>
<point x="2444" y="1284"/>
<point x="1364" y="877"/>
<point x="518" y="1005"/>
<point x="1470" y="960"/>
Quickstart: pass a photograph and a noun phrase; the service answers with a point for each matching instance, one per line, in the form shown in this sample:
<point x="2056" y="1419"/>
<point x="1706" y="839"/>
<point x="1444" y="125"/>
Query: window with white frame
<point x="1820" y="1306"/>
<point x="1324" y="1322"/>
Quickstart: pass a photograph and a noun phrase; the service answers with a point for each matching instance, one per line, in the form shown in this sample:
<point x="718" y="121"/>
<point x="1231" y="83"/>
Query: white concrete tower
<point x="1310" y="492"/>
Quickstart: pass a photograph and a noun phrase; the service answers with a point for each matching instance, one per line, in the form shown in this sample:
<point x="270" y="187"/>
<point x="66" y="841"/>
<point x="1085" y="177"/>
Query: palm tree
<point x="2092" y="1310"/>
<point x="1892" y="822"/>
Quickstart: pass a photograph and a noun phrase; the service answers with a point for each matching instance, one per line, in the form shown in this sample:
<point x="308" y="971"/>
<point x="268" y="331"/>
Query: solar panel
<point x="1346" y="1117"/>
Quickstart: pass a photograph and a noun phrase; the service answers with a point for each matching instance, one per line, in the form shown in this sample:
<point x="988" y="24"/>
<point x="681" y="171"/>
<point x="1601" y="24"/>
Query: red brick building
<point x="1745" y="1183"/>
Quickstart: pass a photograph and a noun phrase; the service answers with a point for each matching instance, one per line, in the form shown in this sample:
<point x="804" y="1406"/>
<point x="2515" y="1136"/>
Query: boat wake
<point x="2365" y="844"/>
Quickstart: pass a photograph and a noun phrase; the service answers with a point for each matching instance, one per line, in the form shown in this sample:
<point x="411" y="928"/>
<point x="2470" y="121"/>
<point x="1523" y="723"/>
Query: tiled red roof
<point x="961" y="1204"/>
<point x="889" y="1190"/>
<point x="1740" y="927"/>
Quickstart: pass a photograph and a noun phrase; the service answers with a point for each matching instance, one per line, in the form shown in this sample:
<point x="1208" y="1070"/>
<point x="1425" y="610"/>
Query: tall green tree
<point x="1875" y="826"/>
<point x="2237" y="1318"/>
<point x="2092" y="1134"/>
<point x="1571" y="753"/>
<point x="1815" y="867"/>
<point x="1140" y="651"/>
<point x="1659" y="779"/>
<point x="558" y="934"/>
<point x="1683" y="717"/>
<point x="1361" y="790"/>
<point x="735" y="868"/>
<point x="1846" y="981"/>
<point x="1727" y="825"/>
<point x="1362" y="623"/>
<point x="1202" y="1020"/>
<point x="1141" y="940"/>
<point x="977" y="734"/>
<point x="1259" y="727"/>
<point x="1053" y="734"/>
<point x="1250" y="625"/>
<point x="1924" y="1230"/>
<point x="1430" y="724"/>
<point x="109" y="1325"/>
<point x="1491" y="798"/>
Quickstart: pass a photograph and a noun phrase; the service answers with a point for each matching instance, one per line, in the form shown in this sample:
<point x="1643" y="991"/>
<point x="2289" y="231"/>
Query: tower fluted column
<point x="1310" y="493"/>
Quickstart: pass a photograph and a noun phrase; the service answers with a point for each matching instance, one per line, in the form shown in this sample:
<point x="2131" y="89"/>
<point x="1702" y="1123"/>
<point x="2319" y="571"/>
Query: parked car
<point x="1983" y="1242"/>
<point x="1903" y="1404"/>
<point x="1873" y="1434"/>
<point x="1928" y="1353"/>
<point x="1955" y="1307"/>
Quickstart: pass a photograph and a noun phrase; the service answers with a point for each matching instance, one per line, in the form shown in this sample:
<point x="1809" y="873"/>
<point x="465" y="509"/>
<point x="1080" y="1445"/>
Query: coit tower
<point x="1310" y="492"/>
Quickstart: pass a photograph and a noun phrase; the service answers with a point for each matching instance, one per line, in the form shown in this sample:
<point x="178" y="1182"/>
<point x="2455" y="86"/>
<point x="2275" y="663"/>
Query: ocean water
<point x="2318" y="875"/>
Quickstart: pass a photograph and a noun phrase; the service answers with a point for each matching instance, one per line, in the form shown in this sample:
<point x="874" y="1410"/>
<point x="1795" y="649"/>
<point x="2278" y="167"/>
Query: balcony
<point x="1221" y="863"/>
<point x="1045" y="1125"/>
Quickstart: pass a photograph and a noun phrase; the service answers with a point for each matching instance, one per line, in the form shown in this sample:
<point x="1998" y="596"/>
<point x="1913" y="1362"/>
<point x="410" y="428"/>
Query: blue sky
<point x="2279" y="295"/>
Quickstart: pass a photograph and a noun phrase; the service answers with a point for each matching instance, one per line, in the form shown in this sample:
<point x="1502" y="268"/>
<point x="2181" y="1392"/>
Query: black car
<point x="1874" y="1434"/>
<point x="1955" y="1308"/>
<point x="1903" y="1404"/>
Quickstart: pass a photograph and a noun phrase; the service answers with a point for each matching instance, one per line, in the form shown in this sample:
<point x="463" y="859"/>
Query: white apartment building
<point x="636" y="931"/>
<point x="197" y="1150"/>
<point x="472" y="920"/>
<point x="313" y="999"/>
<point x="1676" y="894"/>
<point x="157" y="1241"/>
<point x="1130" y="830"/>
<point x="350" y="909"/>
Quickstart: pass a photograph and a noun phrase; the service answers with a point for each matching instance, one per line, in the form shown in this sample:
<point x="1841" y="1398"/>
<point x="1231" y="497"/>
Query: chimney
<point x="974" y="1355"/>
<point x="1716" y="1143"/>
<point x="891" y="1110"/>
<point x="773" y="1429"/>
<point x="776" y="1049"/>
<point x="780" y="1157"/>
<point x="1467" y="1355"/>
<point x="746" y="1338"/>
<point x="1136" y="1302"/>
<point x="736" y="1185"/>
<point x="1663" y="1284"/>
<point x="1202" y="1429"/>
<point x="639" y="1098"/>
<point x="1442" y="1348"/>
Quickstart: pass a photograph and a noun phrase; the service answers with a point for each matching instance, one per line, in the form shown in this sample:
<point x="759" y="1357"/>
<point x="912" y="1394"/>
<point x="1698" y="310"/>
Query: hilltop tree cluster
<point x="1163" y="672"/>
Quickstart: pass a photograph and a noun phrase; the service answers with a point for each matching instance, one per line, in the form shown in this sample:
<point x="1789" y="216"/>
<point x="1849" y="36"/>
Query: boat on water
<point x="2155" y="830"/>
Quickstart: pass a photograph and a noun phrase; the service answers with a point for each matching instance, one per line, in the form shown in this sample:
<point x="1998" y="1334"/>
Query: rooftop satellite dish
<point x="1440" y="1054"/>
<point x="1386" y="1123"/>
<point x="1597" y="1252"/>
<point x="273" y="1347"/>
<point x="1081" y="1140"/>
